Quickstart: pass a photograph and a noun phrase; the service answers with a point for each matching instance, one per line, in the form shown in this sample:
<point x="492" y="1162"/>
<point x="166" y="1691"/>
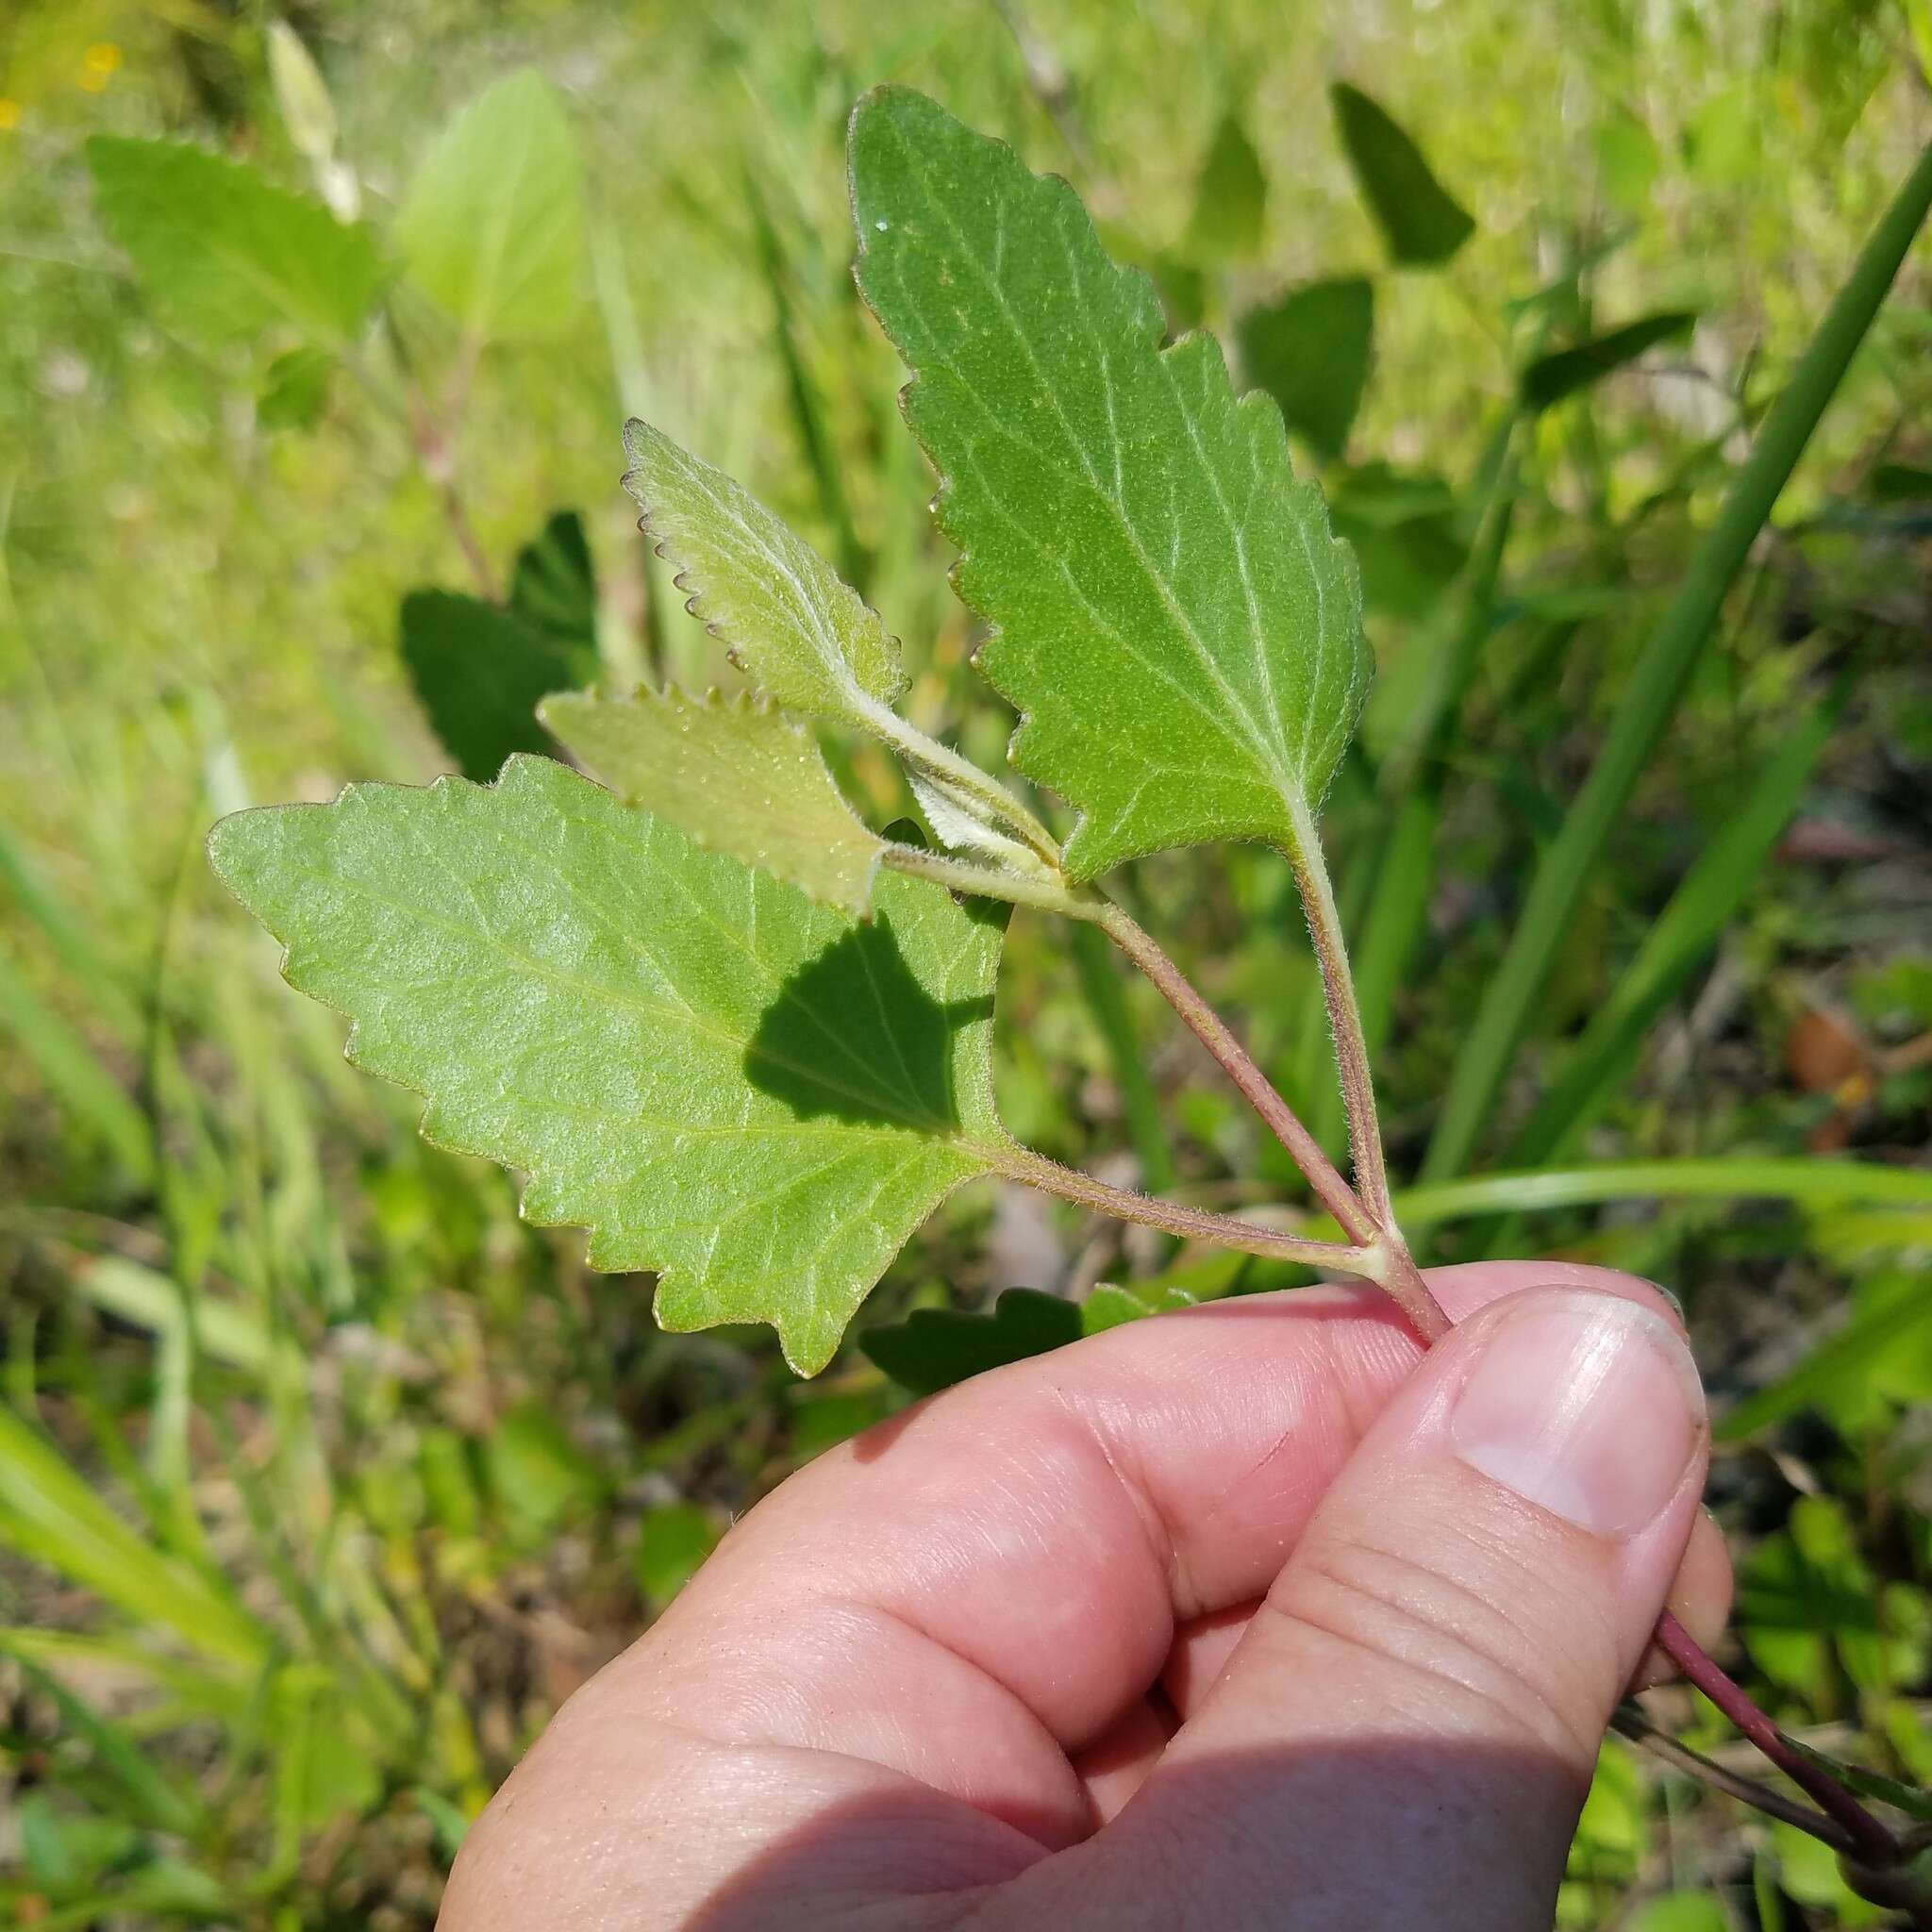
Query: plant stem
<point x="1634" y="1722"/>
<point x="1369" y="1262"/>
<point x="1207" y="1026"/>
<point x="439" y="465"/>
<point x="1869" y="1841"/>
<point x="1048" y="891"/>
<point x="1345" y="1022"/>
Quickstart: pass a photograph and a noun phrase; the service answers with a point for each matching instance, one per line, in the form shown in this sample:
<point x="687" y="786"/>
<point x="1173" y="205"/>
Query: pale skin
<point x="1255" y="1616"/>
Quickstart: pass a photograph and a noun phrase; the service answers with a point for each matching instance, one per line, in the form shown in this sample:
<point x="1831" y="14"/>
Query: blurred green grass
<point x="322" y="1477"/>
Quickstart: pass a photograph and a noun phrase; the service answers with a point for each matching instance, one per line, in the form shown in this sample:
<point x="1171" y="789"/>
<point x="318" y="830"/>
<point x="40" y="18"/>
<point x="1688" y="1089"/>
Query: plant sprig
<point x="746" y="1040"/>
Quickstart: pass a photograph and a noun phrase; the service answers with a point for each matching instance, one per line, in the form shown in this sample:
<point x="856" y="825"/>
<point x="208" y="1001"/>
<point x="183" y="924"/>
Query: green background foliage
<point x="323" y="1475"/>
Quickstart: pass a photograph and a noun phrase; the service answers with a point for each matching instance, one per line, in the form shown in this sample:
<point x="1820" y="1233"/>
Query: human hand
<point x="1252" y="1616"/>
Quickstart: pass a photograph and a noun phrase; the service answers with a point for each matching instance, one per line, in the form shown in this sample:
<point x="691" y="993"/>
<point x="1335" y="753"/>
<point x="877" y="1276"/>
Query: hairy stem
<point x="1345" y="1022"/>
<point x="1048" y="891"/>
<point x="1207" y="1026"/>
<point x="1368" y="1262"/>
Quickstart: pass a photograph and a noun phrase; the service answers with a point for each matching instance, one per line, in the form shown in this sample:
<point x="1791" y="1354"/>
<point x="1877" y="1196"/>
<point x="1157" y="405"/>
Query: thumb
<point x="1407" y="1731"/>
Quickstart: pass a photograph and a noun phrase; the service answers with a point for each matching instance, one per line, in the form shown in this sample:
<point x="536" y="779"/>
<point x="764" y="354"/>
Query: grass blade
<point x="77" y="1079"/>
<point x="50" y="1514"/>
<point x="1106" y="1000"/>
<point x="1660" y="676"/>
<point x="1806" y="1183"/>
<point x="1682" y="936"/>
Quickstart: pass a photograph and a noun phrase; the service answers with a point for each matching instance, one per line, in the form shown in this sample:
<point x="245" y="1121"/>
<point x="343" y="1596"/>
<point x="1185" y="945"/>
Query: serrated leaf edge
<point x="596" y="1238"/>
<point x="758" y="704"/>
<point x="1302" y="812"/>
<point x="865" y="707"/>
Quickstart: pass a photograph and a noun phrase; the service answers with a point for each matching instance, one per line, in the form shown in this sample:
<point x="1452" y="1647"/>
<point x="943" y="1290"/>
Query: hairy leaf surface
<point x="223" y="253"/>
<point x="1172" y="615"/>
<point x="748" y="1092"/>
<point x="788" y="619"/>
<point x="735" y="773"/>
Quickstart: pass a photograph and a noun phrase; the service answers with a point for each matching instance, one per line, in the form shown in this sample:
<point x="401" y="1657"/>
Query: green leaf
<point x="934" y="1348"/>
<point x="538" y="1473"/>
<point x="673" y="1539"/>
<point x="1309" y="350"/>
<point x="52" y="1514"/>
<point x="733" y="772"/>
<point x="1678" y="939"/>
<point x="1406" y="532"/>
<point x="1108" y="1306"/>
<point x="1682" y="1911"/>
<point x="552" y="584"/>
<point x="1629" y="162"/>
<point x="479" y="671"/>
<point x="1422" y="223"/>
<point x="1230" y="196"/>
<point x="1171" y="615"/>
<point x="224" y="254"/>
<point x="294" y="389"/>
<point x="1549" y="379"/>
<point x="748" y="1092"/>
<point x="787" y="620"/>
<point x="491" y="228"/>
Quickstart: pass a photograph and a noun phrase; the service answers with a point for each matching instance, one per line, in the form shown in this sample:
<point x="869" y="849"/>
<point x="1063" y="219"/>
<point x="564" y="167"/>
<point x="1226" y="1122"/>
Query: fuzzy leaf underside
<point x="747" y="1093"/>
<point x="734" y="774"/>
<point x="802" y="634"/>
<point x="1173" y="616"/>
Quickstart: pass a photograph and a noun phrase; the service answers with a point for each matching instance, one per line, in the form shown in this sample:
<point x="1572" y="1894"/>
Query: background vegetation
<point x="322" y="1478"/>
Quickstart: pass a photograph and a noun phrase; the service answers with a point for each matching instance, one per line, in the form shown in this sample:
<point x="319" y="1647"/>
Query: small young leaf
<point x="1549" y="379"/>
<point x="1173" y="616"/>
<point x="1230" y="197"/>
<point x="1421" y="221"/>
<point x="789" y="620"/>
<point x="1309" y="350"/>
<point x="735" y="773"/>
<point x="722" y="1081"/>
<point x="479" y="671"/>
<point x="224" y="253"/>
<point x="961" y="823"/>
<point x="492" y="226"/>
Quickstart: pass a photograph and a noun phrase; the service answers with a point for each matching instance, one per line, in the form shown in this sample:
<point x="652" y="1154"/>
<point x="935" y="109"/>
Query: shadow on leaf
<point x="855" y="1036"/>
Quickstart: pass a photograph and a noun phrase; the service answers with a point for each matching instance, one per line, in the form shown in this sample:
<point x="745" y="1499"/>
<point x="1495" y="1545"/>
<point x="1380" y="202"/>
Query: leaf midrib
<point x="1271" y="755"/>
